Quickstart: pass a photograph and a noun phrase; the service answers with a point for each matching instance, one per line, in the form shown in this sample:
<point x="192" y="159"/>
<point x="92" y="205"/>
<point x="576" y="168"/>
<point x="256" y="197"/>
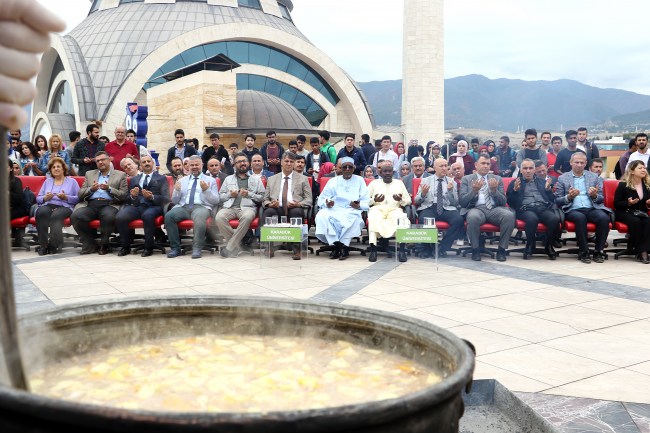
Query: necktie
<point x="193" y="191"/>
<point x="489" y="203"/>
<point x="145" y="184"/>
<point x="285" y="193"/>
<point x="440" y="205"/>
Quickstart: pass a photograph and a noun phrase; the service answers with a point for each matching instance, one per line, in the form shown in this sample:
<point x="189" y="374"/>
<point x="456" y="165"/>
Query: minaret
<point x="423" y="92"/>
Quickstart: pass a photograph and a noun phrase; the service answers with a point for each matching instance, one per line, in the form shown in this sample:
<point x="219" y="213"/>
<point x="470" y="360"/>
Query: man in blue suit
<point x="579" y="193"/>
<point x="194" y="196"/>
<point x="148" y="193"/>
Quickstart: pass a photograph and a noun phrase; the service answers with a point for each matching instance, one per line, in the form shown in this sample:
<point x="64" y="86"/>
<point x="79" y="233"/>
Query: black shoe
<point x="105" y="249"/>
<point x="643" y="258"/>
<point x="123" y="252"/>
<point x="146" y="253"/>
<point x="584" y="257"/>
<point x="89" y="250"/>
<point x="373" y="254"/>
<point x="501" y="255"/>
<point x="557" y="244"/>
<point x="442" y="254"/>
<point x="51" y="249"/>
<point x="528" y="251"/>
<point x="476" y="254"/>
<point x="550" y="252"/>
<point x="345" y="253"/>
<point x="42" y="251"/>
<point x="401" y="256"/>
<point x="598" y="257"/>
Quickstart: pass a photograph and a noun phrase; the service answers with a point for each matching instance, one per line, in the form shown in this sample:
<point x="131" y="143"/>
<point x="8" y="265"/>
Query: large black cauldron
<point x="58" y="334"/>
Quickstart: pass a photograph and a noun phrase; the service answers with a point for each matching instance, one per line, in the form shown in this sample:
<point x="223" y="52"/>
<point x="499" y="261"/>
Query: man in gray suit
<point x="579" y="193"/>
<point x="100" y="197"/>
<point x="482" y="200"/>
<point x="417" y="171"/>
<point x="240" y="194"/>
<point x="437" y="198"/>
<point x="287" y="194"/>
<point x="194" y="196"/>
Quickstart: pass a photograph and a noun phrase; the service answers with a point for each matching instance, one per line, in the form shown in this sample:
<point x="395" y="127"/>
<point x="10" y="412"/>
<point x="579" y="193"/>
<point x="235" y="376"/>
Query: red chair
<point x="34" y="184"/>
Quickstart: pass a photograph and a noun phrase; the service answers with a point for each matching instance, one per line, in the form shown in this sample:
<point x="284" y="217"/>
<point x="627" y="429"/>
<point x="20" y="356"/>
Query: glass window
<point x="259" y="54"/>
<point x="285" y="12"/>
<point x="256" y="82"/>
<point x="242" y="81"/>
<point x="131" y="1"/>
<point x="62" y="100"/>
<point x="252" y="53"/>
<point x="274" y="87"/>
<point x="250" y="3"/>
<point x="95" y="6"/>
<point x="288" y="93"/>
<point x="238" y="51"/>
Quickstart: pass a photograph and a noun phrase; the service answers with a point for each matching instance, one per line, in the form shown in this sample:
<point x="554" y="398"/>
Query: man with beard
<point x="176" y="168"/>
<point x="341" y="203"/>
<point x="387" y="198"/>
<point x="240" y="195"/>
<point x="84" y="152"/>
<point x="641" y="153"/>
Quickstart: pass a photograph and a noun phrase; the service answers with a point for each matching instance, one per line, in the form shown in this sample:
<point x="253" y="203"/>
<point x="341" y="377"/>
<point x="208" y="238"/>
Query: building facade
<point x="234" y="66"/>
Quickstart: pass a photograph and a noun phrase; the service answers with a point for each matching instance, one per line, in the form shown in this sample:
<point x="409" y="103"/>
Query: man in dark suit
<point x="287" y="194"/>
<point x="417" y="171"/>
<point x="533" y="201"/>
<point x="148" y="193"/>
<point x="100" y="197"/>
<point x="579" y="193"/>
<point x="215" y="170"/>
<point x="181" y="149"/>
<point x="482" y="200"/>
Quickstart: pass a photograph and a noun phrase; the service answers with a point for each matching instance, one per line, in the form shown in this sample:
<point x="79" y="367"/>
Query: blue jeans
<point x="198" y="214"/>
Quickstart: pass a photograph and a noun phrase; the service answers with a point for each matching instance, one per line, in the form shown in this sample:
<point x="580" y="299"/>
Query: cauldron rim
<point x="335" y="416"/>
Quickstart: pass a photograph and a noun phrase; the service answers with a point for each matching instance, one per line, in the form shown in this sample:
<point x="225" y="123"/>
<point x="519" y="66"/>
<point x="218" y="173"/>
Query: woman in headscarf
<point x="325" y="170"/>
<point x="461" y="155"/>
<point x="399" y="150"/>
<point x="370" y="172"/>
<point x="404" y="169"/>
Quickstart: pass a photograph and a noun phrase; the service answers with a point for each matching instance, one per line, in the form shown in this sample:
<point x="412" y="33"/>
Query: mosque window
<point x="95" y="6"/>
<point x="247" y="53"/>
<point x="309" y="108"/>
<point x="62" y="100"/>
<point x="285" y="11"/>
<point x="250" y="4"/>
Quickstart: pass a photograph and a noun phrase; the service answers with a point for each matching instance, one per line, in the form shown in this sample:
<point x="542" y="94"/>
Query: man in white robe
<point x="341" y="203"/>
<point x="387" y="197"/>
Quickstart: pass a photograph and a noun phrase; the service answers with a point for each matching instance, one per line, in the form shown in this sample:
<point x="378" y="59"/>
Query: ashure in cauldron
<point x="60" y="334"/>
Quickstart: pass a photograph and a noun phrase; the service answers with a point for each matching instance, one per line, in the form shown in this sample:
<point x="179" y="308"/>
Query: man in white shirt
<point x="642" y="153"/>
<point x="386" y="154"/>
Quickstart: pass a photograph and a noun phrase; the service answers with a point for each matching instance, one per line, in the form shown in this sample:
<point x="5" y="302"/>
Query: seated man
<point x="148" y="193"/>
<point x="214" y="170"/>
<point x="100" y="197"/>
<point x="240" y="195"/>
<point x="580" y="195"/>
<point x="482" y="200"/>
<point x="257" y="167"/>
<point x="437" y="198"/>
<point x="194" y="197"/>
<point x="341" y="203"/>
<point x="299" y="166"/>
<point x="417" y="171"/>
<point x="287" y="194"/>
<point x="177" y="168"/>
<point x="387" y="197"/>
<point x="532" y="199"/>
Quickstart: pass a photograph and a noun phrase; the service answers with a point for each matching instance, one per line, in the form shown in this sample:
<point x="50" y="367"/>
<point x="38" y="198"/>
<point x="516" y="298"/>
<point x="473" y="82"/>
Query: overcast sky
<point x="598" y="42"/>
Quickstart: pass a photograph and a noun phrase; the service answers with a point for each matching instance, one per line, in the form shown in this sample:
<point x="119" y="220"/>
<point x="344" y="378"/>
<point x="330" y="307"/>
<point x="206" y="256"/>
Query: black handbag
<point x="638" y="213"/>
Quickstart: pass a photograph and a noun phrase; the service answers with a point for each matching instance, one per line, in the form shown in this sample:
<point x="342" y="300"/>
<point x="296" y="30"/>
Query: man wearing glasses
<point x="341" y="203"/>
<point x="100" y="197"/>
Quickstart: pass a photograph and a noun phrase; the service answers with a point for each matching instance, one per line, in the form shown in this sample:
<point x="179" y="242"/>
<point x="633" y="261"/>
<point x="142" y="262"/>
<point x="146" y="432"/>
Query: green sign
<point x="417" y="236"/>
<point x="281" y="234"/>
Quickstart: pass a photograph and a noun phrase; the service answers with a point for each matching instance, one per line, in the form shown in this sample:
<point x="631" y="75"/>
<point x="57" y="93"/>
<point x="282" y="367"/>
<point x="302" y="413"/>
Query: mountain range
<point x="475" y="101"/>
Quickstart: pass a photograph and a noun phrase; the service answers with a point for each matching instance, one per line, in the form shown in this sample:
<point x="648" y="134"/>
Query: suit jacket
<point x="565" y="181"/>
<point x="408" y="181"/>
<point x="623" y="193"/>
<point x="300" y="189"/>
<point x="116" y="181"/>
<point x="209" y="197"/>
<point x="158" y="185"/>
<point x="467" y="199"/>
<point x="515" y="198"/>
<point x="450" y="198"/>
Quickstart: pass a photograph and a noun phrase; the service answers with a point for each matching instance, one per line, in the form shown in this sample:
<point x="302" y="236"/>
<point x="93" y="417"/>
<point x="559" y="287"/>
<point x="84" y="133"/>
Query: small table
<point x="283" y="234"/>
<point x="417" y="234"/>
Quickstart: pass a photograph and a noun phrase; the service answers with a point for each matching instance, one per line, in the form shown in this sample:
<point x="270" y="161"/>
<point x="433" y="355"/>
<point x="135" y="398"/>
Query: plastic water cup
<point x="268" y="221"/>
<point x="429" y="222"/>
<point x="274" y="220"/>
<point x="283" y="220"/>
<point x="296" y="222"/>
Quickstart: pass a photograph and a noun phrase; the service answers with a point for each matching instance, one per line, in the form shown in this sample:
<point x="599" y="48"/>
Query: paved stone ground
<point x="571" y="339"/>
